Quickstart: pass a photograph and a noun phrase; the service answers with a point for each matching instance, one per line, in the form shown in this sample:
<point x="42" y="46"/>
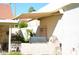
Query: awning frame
<point x="37" y="15"/>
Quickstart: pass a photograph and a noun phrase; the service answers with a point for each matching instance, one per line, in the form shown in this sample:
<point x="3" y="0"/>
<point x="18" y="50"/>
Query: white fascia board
<point x="9" y="21"/>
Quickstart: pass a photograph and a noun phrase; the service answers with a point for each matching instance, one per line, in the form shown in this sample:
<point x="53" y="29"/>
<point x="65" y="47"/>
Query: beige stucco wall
<point x="3" y="35"/>
<point x="50" y="23"/>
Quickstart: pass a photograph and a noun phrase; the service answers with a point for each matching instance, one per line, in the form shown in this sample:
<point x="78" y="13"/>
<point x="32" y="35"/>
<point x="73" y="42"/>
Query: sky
<point x="23" y="7"/>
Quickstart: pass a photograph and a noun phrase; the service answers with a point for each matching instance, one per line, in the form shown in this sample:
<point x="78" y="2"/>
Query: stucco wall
<point x="70" y="22"/>
<point x="3" y="35"/>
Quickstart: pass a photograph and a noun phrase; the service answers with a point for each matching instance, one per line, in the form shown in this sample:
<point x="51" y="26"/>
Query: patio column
<point x="9" y="44"/>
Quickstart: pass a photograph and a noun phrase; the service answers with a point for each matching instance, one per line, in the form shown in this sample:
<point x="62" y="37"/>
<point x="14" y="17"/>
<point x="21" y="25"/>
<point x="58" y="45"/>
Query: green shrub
<point x="22" y="24"/>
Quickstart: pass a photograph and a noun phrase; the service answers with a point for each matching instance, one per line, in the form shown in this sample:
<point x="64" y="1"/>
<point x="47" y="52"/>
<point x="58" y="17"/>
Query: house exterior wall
<point x="70" y="36"/>
<point x="49" y="23"/>
<point x="5" y="13"/>
<point x="67" y="29"/>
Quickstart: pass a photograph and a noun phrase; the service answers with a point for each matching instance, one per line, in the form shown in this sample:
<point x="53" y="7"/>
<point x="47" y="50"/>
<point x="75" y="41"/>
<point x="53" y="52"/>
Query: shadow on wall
<point x="53" y="24"/>
<point x="48" y="24"/>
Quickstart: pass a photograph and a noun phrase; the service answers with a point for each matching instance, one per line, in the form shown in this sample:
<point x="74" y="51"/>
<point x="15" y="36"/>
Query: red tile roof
<point x="5" y="11"/>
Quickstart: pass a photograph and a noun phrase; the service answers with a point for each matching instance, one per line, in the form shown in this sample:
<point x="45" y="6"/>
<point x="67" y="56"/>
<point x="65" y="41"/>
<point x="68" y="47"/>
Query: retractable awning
<point x="36" y="15"/>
